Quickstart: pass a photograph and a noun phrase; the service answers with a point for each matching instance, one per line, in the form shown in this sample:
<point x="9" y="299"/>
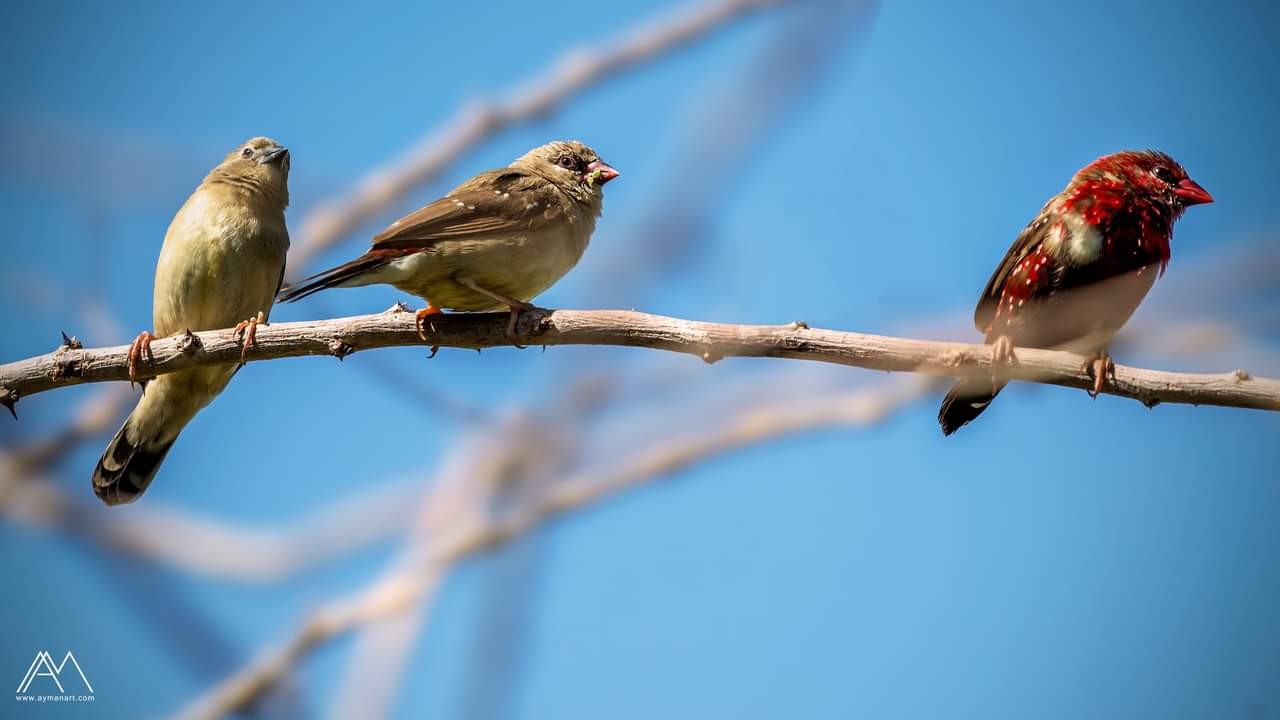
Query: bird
<point x="1079" y="270"/>
<point x="495" y="241"/>
<point x="221" y="264"/>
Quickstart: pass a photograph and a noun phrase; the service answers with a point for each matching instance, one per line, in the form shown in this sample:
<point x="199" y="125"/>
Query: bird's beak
<point x="598" y="173"/>
<point x="273" y="155"/>
<point x="1191" y="193"/>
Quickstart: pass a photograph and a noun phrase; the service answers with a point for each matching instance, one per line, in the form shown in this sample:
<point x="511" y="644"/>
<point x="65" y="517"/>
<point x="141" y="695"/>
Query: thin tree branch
<point x="576" y="71"/>
<point x="709" y="341"/>
<point x="28" y="497"/>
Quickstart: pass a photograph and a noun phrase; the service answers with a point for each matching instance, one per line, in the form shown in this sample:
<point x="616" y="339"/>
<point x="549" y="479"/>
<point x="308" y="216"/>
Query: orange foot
<point x="421" y="320"/>
<point x="138" y="351"/>
<point x="1101" y="368"/>
<point x="249" y="329"/>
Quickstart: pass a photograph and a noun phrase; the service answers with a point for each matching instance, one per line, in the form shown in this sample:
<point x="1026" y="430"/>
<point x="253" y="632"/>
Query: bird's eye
<point x="1164" y="174"/>
<point x="247" y="152"/>
<point x="565" y="162"/>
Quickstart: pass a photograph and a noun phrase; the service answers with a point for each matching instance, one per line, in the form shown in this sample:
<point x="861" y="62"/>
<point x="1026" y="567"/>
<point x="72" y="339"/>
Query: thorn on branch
<point x="1149" y="402"/>
<point x="9" y="398"/>
<point x="339" y="349"/>
<point x="398" y="307"/>
<point x="799" y="325"/>
<point x="1241" y="376"/>
<point x="434" y="349"/>
<point x="69" y="343"/>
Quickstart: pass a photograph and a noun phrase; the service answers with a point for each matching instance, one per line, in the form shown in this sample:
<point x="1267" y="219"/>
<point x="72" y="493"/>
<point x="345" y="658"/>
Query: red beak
<point x="606" y="173"/>
<point x="1191" y="193"/>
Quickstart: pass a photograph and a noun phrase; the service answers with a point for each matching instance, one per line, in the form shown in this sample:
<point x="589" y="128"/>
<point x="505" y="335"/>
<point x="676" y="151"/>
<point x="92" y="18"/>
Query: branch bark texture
<point x="708" y="341"/>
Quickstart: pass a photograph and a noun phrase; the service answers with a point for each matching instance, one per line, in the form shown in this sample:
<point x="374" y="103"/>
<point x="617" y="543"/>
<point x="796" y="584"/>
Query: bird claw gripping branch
<point x="1001" y="354"/>
<point x="1102" y="369"/>
<point x="249" y="330"/>
<point x="139" y="351"/>
<point x="422" y="321"/>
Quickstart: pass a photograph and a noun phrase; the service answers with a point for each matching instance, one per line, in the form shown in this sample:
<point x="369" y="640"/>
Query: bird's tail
<point x="966" y="401"/>
<point x="333" y="277"/>
<point x="128" y="465"/>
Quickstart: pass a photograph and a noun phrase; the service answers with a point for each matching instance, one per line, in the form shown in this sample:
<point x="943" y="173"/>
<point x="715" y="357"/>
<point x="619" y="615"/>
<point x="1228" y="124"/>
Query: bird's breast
<point x="220" y="263"/>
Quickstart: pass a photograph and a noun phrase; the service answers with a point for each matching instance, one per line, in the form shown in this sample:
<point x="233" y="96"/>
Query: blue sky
<point x="1060" y="558"/>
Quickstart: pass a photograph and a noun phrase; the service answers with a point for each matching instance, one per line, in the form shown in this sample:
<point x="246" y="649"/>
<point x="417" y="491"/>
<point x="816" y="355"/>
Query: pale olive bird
<point x="221" y="265"/>
<point x="497" y="240"/>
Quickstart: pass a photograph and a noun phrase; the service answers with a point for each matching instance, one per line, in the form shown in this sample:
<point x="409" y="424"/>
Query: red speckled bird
<point x="1079" y="270"/>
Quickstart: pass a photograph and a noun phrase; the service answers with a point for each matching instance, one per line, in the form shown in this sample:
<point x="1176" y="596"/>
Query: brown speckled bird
<point x="1079" y="270"/>
<point x="221" y="263"/>
<point x="495" y="241"/>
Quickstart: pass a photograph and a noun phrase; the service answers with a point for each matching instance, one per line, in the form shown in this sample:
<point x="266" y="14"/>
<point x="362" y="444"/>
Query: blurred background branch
<point x="408" y="586"/>
<point x="231" y="552"/>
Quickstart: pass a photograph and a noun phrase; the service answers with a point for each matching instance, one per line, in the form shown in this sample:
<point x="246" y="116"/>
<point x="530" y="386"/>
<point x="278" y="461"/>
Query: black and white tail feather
<point x="128" y="465"/>
<point x="965" y="402"/>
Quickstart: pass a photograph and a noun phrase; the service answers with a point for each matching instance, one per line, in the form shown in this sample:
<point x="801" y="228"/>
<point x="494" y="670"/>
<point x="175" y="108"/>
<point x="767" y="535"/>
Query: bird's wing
<point x="492" y="203"/>
<point x="1027" y="242"/>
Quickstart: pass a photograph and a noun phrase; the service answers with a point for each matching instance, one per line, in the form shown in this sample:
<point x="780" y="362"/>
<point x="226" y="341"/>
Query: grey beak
<point x="273" y="155"/>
